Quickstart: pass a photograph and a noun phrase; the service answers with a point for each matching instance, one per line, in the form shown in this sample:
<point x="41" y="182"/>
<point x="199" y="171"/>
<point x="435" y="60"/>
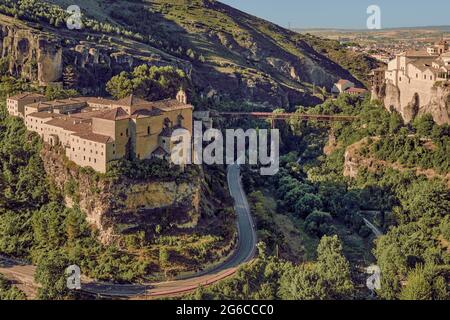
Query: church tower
<point x="182" y="96"/>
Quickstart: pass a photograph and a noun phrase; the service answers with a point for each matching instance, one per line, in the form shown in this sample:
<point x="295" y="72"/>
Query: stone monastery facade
<point x="94" y="131"/>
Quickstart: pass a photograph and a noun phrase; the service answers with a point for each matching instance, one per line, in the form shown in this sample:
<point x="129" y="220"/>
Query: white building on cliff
<point x="414" y="83"/>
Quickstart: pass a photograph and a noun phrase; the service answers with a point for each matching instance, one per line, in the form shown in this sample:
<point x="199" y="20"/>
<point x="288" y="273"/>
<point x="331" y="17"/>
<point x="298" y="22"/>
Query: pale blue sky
<point x="347" y="13"/>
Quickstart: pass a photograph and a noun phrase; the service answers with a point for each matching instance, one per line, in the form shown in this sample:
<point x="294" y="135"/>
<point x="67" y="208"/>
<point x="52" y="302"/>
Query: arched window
<point x="148" y="130"/>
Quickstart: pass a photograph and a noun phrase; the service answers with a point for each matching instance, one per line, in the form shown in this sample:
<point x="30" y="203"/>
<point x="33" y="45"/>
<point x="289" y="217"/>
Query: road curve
<point x="245" y="250"/>
<point x="372" y="227"/>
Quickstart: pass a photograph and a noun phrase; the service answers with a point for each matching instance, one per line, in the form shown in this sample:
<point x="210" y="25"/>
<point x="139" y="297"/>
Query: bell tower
<point x="182" y="96"/>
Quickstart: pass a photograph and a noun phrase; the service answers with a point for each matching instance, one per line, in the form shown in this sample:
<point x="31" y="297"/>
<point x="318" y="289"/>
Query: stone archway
<point x="415" y="105"/>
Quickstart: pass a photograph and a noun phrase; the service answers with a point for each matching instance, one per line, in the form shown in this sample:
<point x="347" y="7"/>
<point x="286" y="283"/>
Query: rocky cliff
<point x="124" y="206"/>
<point x="356" y="160"/>
<point x="412" y="103"/>
<point x="30" y="54"/>
<point x="42" y="56"/>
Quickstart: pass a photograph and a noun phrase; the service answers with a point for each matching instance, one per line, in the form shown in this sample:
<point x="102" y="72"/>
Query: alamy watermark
<point x="74" y="21"/>
<point x="73" y="274"/>
<point x="374" y="19"/>
<point x="263" y="147"/>
<point x="374" y="281"/>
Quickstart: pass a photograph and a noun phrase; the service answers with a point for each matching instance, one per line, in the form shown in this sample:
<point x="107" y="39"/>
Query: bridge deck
<point x="285" y="116"/>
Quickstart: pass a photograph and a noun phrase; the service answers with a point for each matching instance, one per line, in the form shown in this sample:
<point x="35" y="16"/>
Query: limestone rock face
<point x="42" y="57"/>
<point x="49" y="60"/>
<point x="412" y="103"/>
<point x="439" y="105"/>
<point x="110" y="206"/>
<point x="31" y="55"/>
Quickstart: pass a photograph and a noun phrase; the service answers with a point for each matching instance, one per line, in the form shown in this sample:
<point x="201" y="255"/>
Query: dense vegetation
<point x="8" y="291"/>
<point x="34" y="225"/>
<point x="415" y="248"/>
<point x="269" y="278"/>
<point x="150" y="83"/>
<point x="413" y="210"/>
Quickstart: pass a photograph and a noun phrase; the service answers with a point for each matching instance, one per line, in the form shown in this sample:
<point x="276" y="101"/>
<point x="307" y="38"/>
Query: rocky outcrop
<point x="115" y="207"/>
<point x="42" y="56"/>
<point x="439" y="105"/>
<point x="410" y="102"/>
<point x="31" y="55"/>
<point x="355" y="160"/>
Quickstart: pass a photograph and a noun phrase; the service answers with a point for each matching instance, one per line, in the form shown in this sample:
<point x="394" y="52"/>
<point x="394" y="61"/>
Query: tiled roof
<point x="70" y="124"/>
<point x="94" y="137"/>
<point x="24" y="95"/>
<point x="44" y="115"/>
<point x="99" y="100"/>
<point x="418" y="53"/>
<point x="141" y="113"/>
<point x="57" y="103"/>
<point x="343" y="81"/>
<point x="131" y="100"/>
<point x="114" y="114"/>
<point x="170" y="105"/>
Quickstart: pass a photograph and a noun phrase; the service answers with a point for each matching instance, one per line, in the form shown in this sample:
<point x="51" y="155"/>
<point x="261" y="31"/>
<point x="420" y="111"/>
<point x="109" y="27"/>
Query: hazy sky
<point x="347" y="13"/>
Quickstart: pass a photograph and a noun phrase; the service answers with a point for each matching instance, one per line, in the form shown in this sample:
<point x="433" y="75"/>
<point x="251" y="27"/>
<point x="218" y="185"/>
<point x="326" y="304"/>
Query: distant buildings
<point x="346" y="86"/>
<point x="409" y="84"/>
<point x="94" y="131"/>
<point x="341" y="86"/>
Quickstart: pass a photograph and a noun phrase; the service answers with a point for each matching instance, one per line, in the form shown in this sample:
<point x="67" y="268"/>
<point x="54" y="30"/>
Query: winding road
<point x="372" y="227"/>
<point x="23" y="274"/>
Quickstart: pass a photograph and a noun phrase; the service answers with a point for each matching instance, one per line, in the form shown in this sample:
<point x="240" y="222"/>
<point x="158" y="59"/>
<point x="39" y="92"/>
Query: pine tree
<point x="70" y="77"/>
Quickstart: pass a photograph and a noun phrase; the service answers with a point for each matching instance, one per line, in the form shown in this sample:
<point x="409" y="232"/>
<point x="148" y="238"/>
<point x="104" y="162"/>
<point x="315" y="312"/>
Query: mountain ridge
<point x="228" y="54"/>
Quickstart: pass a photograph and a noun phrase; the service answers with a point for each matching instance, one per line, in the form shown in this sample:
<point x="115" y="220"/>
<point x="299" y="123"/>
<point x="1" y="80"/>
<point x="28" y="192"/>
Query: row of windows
<point x="90" y="143"/>
<point x="35" y="120"/>
<point x="94" y="160"/>
<point x="84" y="150"/>
<point x="417" y="76"/>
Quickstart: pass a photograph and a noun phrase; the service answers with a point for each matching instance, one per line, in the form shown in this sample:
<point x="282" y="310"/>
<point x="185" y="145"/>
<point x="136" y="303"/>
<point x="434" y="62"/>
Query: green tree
<point x="306" y="204"/>
<point x="8" y="291"/>
<point x="424" y="283"/>
<point x="424" y="125"/>
<point x="301" y="283"/>
<point x="50" y="274"/>
<point x="334" y="269"/>
<point x="151" y="83"/>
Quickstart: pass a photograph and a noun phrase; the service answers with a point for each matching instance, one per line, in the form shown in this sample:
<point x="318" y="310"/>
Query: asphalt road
<point x="372" y="227"/>
<point x="245" y="250"/>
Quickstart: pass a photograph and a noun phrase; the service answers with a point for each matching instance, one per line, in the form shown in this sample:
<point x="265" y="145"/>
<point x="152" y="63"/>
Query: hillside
<point x="225" y="52"/>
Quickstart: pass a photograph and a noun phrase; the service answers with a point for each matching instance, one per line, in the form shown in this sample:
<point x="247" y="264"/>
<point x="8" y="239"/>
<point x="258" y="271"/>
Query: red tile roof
<point x="94" y="137"/>
<point x="356" y="90"/>
<point x="131" y="100"/>
<point x="114" y="114"/>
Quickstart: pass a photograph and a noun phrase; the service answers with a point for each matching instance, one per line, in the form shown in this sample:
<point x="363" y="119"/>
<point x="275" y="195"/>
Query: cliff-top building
<point x="412" y="83"/>
<point x="94" y="131"/>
